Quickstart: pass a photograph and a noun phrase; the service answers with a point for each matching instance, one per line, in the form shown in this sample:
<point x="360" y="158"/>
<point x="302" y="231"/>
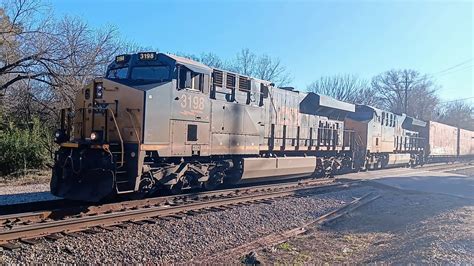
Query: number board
<point x="122" y="58"/>
<point x="147" y="56"/>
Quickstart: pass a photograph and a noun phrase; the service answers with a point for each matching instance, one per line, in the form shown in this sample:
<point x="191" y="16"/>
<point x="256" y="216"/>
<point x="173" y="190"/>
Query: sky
<point x="311" y="38"/>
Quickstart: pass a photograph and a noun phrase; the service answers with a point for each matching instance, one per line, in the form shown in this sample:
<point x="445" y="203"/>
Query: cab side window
<point x="188" y="79"/>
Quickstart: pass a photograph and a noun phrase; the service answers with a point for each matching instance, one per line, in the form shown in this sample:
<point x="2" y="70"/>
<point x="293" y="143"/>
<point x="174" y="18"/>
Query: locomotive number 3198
<point x="192" y="102"/>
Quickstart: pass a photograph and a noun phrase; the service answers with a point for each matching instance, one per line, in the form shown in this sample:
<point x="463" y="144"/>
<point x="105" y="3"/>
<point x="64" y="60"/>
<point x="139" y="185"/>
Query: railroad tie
<point x="10" y="246"/>
<point x="30" y="241"/>
<point x="53" y="237"/>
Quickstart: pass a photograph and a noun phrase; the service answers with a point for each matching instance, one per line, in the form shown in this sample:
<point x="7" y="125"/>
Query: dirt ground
<point x="401" y="227"/>
<point x="30" y="178"/>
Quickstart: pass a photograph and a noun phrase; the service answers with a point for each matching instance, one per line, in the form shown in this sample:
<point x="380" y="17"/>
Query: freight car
<point x="447" y="143"/>
<point x="158" y="121"/>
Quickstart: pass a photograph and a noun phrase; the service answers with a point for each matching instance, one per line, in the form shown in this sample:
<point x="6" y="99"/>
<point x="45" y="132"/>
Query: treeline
<point x="46" y="60"/>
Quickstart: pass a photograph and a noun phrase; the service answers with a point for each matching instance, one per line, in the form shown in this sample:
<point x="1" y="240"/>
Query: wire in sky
<point x="455" y="71"/>
<point x="452" y="67"/>
<point x="457" y="100"/>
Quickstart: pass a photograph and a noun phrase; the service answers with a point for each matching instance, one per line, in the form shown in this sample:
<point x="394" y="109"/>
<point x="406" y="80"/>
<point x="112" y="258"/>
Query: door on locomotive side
<point x="190" y="112"/>
<point x="376" y="131"/>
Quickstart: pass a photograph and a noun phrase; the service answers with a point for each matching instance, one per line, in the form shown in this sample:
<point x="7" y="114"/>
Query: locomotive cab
<point x="100" y="140"/>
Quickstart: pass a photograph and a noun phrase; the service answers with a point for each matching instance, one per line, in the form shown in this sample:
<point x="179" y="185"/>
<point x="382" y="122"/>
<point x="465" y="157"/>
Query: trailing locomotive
<point x="158" y="121"/>
<point x="388" y="139"/>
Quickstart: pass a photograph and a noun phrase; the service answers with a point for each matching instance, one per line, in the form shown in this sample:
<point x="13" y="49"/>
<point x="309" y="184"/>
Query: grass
<point x="285" y="246"/>
<point x="40" y="176"/>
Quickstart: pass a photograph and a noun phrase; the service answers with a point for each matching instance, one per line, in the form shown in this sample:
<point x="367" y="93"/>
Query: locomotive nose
<point x="81" y="173"/>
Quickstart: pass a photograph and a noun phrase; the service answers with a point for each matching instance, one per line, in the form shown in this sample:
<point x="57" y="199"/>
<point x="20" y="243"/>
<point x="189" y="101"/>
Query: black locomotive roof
<point x="166" y="59"/>
<point x="191" y="64"/>
<point x="413" y="123"/>
<point x="317" y="104"/>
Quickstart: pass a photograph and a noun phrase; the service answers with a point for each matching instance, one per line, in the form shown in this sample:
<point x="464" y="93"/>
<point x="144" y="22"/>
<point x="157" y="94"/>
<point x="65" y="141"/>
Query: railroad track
<point x="30" y="227"/>
<point x="448" y="167"/>
<point x="55" y="209"/>
<point x="60" y="207"/>
<point x="60" y="217"/>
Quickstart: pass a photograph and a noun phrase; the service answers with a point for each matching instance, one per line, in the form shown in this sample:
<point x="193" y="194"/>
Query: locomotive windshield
<point x="155" y="73"/>
<point x="142" y="67"/>
<point x="141" y="73"/>
<point x="118" y="73"/>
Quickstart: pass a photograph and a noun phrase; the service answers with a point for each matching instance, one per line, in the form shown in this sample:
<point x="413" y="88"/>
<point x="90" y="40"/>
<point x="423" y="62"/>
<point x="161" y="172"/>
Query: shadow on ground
<point x="25" y="197"/>
<point x="413" y="226"/>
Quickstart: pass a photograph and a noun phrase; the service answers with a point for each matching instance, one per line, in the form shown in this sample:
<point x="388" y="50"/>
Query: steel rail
<point x="10" y="220"/>
<point x="54" y="209"/>
<point x="74" y="224"/>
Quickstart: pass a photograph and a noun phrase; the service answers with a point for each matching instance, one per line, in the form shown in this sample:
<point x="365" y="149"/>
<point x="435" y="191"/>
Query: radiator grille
<point x="218" y="78"/>
<point x="244" y="83"/>
<point x="230" y="81"/>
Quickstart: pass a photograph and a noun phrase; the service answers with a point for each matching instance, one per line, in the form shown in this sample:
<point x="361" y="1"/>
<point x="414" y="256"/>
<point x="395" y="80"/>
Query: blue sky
<point x="312" y="38"/>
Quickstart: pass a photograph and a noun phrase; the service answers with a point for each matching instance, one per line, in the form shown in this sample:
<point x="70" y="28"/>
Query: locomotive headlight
<point x="57" y="134"/>
<point x="99" y="90"/>
<point x="94" y="136"/>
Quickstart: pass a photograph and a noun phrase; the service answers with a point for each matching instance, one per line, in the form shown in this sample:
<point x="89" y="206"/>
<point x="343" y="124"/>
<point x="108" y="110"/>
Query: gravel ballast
<point x="25" y="193"/>
<point x="193" y="238"/>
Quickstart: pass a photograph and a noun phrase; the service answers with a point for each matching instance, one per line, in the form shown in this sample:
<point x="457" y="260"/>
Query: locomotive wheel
<point x="211" y="184"/>
<point x="176" y="188"/>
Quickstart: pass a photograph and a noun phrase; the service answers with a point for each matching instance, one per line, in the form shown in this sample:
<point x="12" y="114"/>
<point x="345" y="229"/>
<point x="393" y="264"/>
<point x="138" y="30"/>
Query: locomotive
<point x="158" y="122"/>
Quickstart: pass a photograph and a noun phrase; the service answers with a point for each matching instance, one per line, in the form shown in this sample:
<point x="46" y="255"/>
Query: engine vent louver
<point x="218" y="78"/>
<point x="244" y="83"/>
<point x="230" y="81"/>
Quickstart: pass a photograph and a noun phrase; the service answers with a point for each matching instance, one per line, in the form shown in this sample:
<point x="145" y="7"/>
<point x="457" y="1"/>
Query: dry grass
<point x="38" y="176"/>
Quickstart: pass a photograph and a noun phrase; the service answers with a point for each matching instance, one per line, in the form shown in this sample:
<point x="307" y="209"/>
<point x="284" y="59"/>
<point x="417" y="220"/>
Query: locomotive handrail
<point x="133" y="124"/>
<point x="116" y="127"/>
<point x="120" y="137"/>
<point x="273" y="105"/>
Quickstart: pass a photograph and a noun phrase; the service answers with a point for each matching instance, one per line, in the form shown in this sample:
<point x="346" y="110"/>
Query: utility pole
<point x="406" y="93"/>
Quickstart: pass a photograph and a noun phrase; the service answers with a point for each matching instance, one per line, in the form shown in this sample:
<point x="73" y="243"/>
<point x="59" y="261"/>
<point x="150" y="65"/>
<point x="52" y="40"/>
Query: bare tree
<point x="407" y="91"/>
<point x="45" y="60"/>
<point x="212" y="60"/>
<point x="260" y="66"/>
<point x="346" y="87"/>
<point x="247" y="63"/>
<point x="271" y="69"/>
<point x="457" y="113"/>
<point x="244" y="63"/>
<point x="29" y="45"/>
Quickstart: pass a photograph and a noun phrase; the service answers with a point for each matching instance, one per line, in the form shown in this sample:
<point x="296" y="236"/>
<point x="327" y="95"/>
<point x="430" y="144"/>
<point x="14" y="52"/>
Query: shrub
<point x="24" y="147"/>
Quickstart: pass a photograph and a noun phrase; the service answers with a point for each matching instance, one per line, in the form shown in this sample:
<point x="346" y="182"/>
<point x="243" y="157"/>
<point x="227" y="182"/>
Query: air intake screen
<point x="218" y="78"/>
<point x="230" y="81"/>
<point x="244" y="83"/>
